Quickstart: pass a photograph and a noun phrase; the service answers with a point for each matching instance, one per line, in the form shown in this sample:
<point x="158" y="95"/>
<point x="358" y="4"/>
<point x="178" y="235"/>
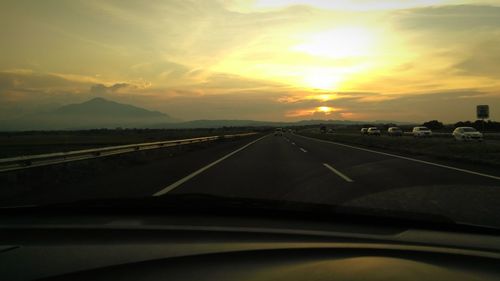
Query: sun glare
<point x="342" y="42"/>
<point x="324" y="109"/>
<point x="322" y="80"/>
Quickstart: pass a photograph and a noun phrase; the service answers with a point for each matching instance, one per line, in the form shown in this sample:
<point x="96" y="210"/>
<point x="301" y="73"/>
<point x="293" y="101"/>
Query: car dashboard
<point x="232" y="248"/>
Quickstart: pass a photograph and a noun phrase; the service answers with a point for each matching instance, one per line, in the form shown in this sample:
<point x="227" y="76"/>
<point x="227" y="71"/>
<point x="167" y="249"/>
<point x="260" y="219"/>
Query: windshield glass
<point x="115" y="99"/>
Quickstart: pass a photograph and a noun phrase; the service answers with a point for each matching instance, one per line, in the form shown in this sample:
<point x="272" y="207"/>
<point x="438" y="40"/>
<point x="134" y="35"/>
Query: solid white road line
<point x="346" y="178"/>
<point x="407" y="158"/>
<point x="192" y="175"/>
<point x="303" y="150"/>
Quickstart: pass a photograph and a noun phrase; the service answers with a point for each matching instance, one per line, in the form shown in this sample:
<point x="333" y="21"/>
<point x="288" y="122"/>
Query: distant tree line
<point x="434" y="125"/>
<point x="478" y="124"/>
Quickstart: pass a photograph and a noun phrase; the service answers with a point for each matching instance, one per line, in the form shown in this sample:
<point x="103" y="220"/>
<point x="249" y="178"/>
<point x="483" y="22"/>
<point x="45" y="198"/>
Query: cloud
<point x="101" y="89"/>
<point x="462" y="38"/>
<point x="454" y="18"/>
<point x="482" y="60"/>
<point x="350" y="5"/>
<point x="27" y="80"/>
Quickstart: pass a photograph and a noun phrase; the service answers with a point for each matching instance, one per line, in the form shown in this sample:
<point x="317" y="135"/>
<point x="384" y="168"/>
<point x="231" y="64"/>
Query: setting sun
<point x="325" y="109"/>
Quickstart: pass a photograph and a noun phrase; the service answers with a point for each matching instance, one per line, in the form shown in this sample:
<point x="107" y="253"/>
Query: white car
<point x="373" y="131"/>
<point x="421" y="132"/>
<point x="364" y="131"/>
<point x="467" y="134"/>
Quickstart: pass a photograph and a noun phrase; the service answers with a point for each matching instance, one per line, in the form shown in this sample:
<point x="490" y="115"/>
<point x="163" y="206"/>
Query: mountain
<point x="101" y="113"/>
<point x="95" y="113"/>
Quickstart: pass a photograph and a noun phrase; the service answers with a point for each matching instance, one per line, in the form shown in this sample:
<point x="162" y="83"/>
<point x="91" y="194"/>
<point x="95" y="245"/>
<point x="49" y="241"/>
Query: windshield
<point x="114" y="99"/>
<point x="467" y="130"/>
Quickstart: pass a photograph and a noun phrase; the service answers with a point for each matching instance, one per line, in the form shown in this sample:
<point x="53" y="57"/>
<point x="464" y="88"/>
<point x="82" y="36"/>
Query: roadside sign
<point x="483" y="112"/>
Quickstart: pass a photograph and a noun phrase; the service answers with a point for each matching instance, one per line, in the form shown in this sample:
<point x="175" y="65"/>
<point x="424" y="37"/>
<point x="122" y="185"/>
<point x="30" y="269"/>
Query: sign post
<point x="483" y="112"/>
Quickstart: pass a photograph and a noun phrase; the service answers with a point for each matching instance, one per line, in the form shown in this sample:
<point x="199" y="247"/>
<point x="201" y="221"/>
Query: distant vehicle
<point x="373" y="131"/>
<point x="364" y="131"/>
<point x="322" y="129"/>
<point x="395" y="131"/>
<point x="278" y="132"/>
<point x="467" y="134"/>
<point x="330" y="131"/>
<point x="421" y="132"/>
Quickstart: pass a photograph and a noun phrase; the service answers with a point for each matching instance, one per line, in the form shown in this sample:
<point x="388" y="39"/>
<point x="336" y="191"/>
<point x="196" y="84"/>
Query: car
<point x="330" y="131"/>
<point x="421" y="131"/>
<point x="364" y="131"/>
<point x="395" y="131"/>
<point x="278" y="132"/>
<point x="373" y="131"/>
<point x="467" y="134"/>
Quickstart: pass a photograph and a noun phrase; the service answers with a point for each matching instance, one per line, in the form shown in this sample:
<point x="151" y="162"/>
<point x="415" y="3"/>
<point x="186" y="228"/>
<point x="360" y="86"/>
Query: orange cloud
<point x="320" y="110"/>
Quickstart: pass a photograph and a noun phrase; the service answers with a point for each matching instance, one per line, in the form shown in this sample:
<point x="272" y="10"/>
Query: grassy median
<point x="487" y="152"/>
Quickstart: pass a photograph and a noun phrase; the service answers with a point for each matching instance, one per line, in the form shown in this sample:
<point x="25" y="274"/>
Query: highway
<point x="292" y="167"/>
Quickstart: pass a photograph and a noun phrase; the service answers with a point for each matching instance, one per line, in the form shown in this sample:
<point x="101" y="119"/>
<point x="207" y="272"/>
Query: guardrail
<point x="24" y="162"/>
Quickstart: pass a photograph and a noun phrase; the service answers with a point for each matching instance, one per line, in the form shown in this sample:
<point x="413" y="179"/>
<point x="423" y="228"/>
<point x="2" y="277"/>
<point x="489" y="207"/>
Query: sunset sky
<point x="413" y="60"/>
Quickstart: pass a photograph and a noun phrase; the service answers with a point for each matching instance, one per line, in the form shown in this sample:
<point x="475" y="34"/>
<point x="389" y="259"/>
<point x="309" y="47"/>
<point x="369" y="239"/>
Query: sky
<point x="281" y="60"/>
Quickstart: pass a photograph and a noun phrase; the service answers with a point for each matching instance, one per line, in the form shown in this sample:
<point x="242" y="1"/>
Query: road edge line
<point x="406" y="158"/>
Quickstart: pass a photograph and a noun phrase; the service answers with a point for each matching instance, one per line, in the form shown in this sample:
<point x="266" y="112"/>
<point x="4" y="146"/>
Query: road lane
<point x="134" y="175"/>
<point x="359" y="148"/>
<point x="368" y="161"/>
<point x="202" y="169"/>
<point x="272" y="168"/>
<point x="385" y="182"/>
<point x="293" y="167"/>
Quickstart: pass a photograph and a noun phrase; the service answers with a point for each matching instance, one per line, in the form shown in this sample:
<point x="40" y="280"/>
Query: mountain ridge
<point x="94" y="113"/>
<point x="98" y="113"/>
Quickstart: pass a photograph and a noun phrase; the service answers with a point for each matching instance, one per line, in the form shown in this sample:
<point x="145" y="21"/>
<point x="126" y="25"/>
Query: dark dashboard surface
<point x="232" y="248"/>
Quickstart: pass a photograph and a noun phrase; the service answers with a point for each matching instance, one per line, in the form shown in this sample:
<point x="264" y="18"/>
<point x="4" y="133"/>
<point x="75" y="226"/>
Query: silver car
<point x="373" y="131"/>
<point x="467" y="134"/>
<point x="421" y="131"/>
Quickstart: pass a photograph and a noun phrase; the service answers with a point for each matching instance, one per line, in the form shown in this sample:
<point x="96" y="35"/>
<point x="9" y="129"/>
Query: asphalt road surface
<point x="293" y="167"/>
